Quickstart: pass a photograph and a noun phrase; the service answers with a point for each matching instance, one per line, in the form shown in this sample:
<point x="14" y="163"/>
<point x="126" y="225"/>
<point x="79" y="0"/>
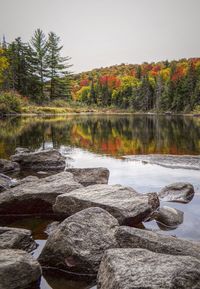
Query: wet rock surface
<point x="128" y="237"/>
<point x="123" y="203"/>
<point x="177" y="192"/>
<point x="51" y="160"/>
<point x="79" y="242"/>
<point x="18" y="270"/>
<point x="13" y="238"/>
<point x="90" y="176"/>
<point x="142" y="269"/>
<point x="169" y="217"/>
<point x="170" y="161"/>
<point x="6" y="182"/>
<point x="52" y="227"/>
<point x="37" y="196"/>
<point x="7" y="166"/>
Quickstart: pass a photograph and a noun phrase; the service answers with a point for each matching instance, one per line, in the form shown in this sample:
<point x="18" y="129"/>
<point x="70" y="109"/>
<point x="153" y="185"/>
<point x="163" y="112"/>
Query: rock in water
<point x="79" y="242"/>
<point x="6" y="182"/>
<point x="123" y="203"/>
<point x="90" y="176"/>
<point x="177" y="192"/>
<point x="51" y="160"/>
<point x="18" y="270"/>
<point x="14" y="238"/>
<point x="136" y="238"/>
<point x="36" y="197"/>
<point x="20" y="150"/>
<point x="8" y="166"/>
<point x="169" y="217"/>
<point x="142" y="269"/>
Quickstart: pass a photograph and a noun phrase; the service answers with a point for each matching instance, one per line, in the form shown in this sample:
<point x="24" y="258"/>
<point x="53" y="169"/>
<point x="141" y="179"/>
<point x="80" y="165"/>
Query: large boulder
<point x="79" y="242"/>
<point x="136" y="238"/>
<point x="140" y="269"/>
<point x="51" y="160"/>
<point x="177" y="192"/>
<point x="36" y="196"/>
<point x="13" y="238"/>
<point x="7" y="166"/>
<point x="169" y="217"/>
<point x="90" y="176"/>
<point x="18" y="270"/>
<point x="123" y="203"/>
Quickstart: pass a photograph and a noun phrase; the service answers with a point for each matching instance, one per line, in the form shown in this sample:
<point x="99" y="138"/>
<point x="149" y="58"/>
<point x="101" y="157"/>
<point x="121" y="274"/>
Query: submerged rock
<point x="123" y="203"/>
<point x="136" y="238"/>
<point x="18" y="270"/>
<point x="8" y="166"/>
<point x="14" y="238"/>
<point x="36" y="197"/>
<point x="169" y="217"/>
<point x="177" y="192"/>
<point x="169" y="161"/>
<point x="51" y="160"/>
<point x="140" y="269"/>
<point x="90" y="176"/>
<point x="79" y="242"/>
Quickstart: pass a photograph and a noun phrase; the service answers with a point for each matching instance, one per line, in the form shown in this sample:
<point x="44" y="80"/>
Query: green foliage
<point x="10" y="102"/>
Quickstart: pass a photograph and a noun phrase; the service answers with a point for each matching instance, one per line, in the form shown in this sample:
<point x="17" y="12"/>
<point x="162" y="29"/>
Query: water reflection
<point x="115" y="135"/>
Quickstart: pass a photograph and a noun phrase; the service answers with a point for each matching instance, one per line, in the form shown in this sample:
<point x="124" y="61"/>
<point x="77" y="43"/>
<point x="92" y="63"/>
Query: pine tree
<point x="57" y="68"/>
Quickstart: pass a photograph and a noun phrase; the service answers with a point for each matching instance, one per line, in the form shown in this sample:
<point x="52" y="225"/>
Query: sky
<point x="99" y="33"/>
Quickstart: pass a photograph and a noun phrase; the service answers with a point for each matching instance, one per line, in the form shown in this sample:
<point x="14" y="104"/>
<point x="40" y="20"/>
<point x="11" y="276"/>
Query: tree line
<point x="163" y="86"/>
<point x="35" y="69"/>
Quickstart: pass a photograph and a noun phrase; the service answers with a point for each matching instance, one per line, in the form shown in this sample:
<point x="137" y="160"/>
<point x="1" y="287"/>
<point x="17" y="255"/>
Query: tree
<point x="39" y="46"/>
<point x="57" y="68"/>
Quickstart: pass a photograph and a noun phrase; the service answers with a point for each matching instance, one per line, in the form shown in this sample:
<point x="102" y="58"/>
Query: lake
<point x="103" y="140"/>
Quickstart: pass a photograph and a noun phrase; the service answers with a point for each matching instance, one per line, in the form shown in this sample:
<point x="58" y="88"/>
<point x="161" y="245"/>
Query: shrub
<point x="10" y="102"/>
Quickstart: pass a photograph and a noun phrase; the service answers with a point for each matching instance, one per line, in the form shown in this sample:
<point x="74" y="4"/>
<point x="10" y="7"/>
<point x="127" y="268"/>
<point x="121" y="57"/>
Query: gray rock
<point x="169" y="161"/>
<point x="20" y="150"/>
<point x="142" y="269"/>
<point x="51" y="227"/>
<point x="79" y="242"/>
<point x="169" y="217"/>
<point x="41" y="160"/>
<point x="123" y="203"/>
<point x="8" y="166"/>
<point x="177" y="192"/>
<point x="36" y="196"/>
<point x="18" y="270"/>
<point x="6" y="182"/>
<point x="136" y="238"/>
<point x="13" y="238"/>
<point x="90" y="176"/>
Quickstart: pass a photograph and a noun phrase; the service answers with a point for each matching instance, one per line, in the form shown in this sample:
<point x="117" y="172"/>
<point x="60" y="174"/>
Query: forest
<point x="37" y="73"/>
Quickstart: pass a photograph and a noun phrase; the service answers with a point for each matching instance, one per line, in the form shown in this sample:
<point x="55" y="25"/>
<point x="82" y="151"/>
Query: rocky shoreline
<point x="99" y="231"/>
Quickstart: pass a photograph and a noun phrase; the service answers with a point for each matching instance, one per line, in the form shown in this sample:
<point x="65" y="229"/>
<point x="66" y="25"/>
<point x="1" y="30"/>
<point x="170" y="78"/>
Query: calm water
<point x="97" y="140"/>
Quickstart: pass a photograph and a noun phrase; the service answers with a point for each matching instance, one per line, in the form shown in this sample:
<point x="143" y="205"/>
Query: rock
<point x="36" y="197"/>
<point x="169" y="161"/>
<point x="18" y="270"/>
<point x="123" y="203"/>
<point x="142" y="269"/>
<point x="13" y="238"/>
<point x="8" y="166"/>
<point x="51" y="227"/>
<point x="90" y="176"/>
<point x="51" y="160"/>
<point x="136" y="238"/>
<point x="20" y="150"/>
<point x="177" y="192"/>
<point x="6" y="182"/>
<point x="169" y="217"/>
<point x="79" y="242"/>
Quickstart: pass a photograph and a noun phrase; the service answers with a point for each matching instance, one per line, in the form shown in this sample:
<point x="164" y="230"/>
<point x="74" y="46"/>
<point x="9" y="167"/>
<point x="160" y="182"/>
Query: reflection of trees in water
<point x="112" y="134"/>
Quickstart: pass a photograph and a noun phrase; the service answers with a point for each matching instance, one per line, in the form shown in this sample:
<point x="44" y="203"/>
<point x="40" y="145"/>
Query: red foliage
<point x="110" y="81"/>
<point x="178" y="74"/>
<point x="84" y="82"/>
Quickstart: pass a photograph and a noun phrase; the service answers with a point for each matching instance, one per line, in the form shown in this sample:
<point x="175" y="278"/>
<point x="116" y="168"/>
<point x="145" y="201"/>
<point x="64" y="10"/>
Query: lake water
<point x="102" y="140"/>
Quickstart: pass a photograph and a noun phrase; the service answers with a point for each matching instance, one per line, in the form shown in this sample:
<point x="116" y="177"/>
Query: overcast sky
<point x="98" y="33"/>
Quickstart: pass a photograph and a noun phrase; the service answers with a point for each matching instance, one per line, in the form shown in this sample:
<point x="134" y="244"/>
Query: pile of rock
<point x="95" y="237"/>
